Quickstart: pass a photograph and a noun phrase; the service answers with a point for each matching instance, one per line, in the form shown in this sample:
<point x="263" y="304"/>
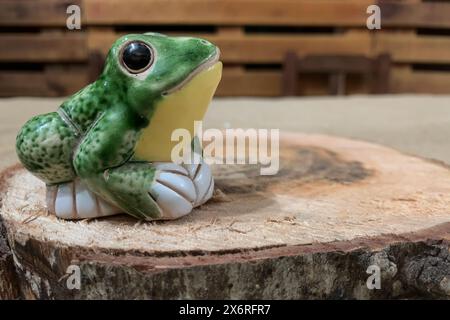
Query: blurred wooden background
<point x="40" y="57"/>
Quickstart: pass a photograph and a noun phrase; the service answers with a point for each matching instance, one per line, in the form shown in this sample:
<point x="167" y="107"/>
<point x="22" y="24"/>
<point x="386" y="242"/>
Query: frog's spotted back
<point x="44" y="145"/>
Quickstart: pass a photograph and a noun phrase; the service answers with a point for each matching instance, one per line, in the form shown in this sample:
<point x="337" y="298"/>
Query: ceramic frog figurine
<point x="107" y="148"/>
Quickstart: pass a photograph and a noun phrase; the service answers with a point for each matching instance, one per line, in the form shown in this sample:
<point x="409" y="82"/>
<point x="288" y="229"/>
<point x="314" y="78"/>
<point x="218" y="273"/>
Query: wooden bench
<point x="376" y="70"/>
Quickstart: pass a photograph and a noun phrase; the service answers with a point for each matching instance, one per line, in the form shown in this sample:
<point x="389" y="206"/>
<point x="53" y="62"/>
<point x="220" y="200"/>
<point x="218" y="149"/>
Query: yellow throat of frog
<point x="178" y="110"/>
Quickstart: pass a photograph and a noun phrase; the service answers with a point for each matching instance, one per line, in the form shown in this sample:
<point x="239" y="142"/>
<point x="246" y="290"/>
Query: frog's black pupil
<point x="136" y="56"/>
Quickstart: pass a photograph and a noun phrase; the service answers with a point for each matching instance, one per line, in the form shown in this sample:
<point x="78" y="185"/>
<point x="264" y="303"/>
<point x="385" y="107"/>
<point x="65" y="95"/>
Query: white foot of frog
<point x="176" y="190"/>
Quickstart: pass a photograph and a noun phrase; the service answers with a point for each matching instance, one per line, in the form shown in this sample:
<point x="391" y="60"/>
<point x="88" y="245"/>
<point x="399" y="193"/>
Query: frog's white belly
<point x="178" y="110"/>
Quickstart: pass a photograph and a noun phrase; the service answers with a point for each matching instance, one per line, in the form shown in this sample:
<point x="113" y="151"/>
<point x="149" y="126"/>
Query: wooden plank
<point x="231" y="31"/>
<point x="258" y="83"/>
<point x="230" y="12"/>
<point x="46" y="47"/>
<point x="35" y="13"/>
<point x="268" y="84"/>
<point x="406" y="80"/>
<point x="335" y="64"/>
<point x="268" y="49"/>
<point x="271" y="49"/>
<point x="413" y="48"/>
<point x="414" y="14"/>
<point x="59" y="81"/>
<point x="266" y="12"/>
<point x="344" y="13"/>
<point x="236" y="32"/>
<point x="101" y="39"/>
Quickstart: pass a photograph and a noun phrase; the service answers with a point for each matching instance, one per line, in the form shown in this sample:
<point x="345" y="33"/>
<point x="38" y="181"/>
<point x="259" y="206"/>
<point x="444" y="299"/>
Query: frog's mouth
<point x="178" y="109"/>
<point x="205" y="68"/>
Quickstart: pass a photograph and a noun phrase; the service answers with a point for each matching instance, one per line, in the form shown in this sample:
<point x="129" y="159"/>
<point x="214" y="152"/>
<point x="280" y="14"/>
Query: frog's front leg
<point x="153" y="191"/>
<point x="101" y="161"/>
<point x="175" y="189"/>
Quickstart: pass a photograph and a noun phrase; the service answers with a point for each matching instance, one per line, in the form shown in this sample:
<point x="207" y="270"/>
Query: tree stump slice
<point x="336" y="207"/>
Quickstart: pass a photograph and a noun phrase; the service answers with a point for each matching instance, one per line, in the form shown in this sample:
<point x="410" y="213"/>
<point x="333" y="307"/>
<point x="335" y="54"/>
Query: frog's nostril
<point x="204" y="42"/>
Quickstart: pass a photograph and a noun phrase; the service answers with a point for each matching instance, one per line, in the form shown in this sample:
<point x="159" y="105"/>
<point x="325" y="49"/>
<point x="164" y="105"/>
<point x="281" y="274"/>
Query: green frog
<point x="107" y="149"/>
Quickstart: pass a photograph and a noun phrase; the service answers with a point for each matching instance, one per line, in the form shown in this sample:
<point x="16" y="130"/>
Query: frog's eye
<point x="137" y="57"/>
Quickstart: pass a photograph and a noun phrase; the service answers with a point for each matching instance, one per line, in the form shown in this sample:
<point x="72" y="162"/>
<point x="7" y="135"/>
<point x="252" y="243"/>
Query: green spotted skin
<point x="129" y="185"/>
<point x="85" y="106"/>
<point x="94" y="132"/>
<point x="45" y="145"/>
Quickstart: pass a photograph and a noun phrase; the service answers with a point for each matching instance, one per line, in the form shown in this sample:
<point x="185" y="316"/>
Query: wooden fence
<point x="40" y="57"/>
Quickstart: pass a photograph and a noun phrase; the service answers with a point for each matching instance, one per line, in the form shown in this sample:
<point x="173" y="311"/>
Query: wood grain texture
<point x="414" y="14"/>
<point x="404" y="79"/>
<point x="9" y="287"/>
<point x="266" y="12"/>
<point x="51" y="82"/>
<point x="227" y="12"/>
<point x="46" y="47"/>
<point x="268" y="83"/>
<point x="336" y="207"/>
<point x="35" y="13"/>
<point x="407" y="47"/>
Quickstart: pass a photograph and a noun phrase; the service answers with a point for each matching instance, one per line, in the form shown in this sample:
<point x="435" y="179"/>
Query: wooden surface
<point x="330" y="194"/>
<point x="412" y="263"/>
<point x="253" y="35"/>
<point x="327" y="189"/>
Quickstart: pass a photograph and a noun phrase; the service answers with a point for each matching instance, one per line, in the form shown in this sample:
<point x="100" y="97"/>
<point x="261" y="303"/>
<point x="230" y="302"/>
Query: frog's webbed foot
<point x="73" y="200"/>
<point x="178" y="189"/>
<point x="202" y="178"/>
<point x="173" y="190"/>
